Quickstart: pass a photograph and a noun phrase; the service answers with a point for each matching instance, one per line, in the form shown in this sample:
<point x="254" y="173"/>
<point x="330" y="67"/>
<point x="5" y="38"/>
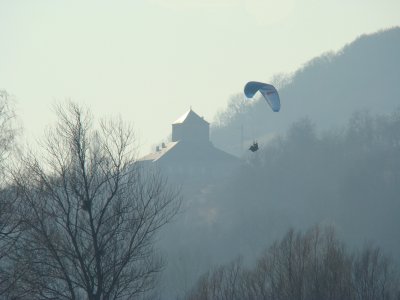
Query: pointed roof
<point x="190" y="114"/>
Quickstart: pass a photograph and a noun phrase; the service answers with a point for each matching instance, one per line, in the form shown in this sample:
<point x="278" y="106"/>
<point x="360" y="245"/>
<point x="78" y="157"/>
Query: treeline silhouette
<point x="304" y="266"/>
<point x="349" y="177"/>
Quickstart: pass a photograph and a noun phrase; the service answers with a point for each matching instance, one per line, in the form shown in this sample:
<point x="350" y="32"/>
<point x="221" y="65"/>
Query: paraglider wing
<point x="268" y="91"/>
<point x="251" y="88"/>
<point x="271" y="95"/>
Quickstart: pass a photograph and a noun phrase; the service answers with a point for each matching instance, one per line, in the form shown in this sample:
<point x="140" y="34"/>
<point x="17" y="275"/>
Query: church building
<point x="190" y="152"/>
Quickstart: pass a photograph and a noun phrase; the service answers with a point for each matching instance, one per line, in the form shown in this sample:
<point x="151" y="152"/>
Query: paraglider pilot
<point x="254" y="147"/>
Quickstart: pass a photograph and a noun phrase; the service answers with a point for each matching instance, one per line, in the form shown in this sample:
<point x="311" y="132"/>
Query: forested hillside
<point x="328" y="89"/>
<point x="347" y="178"/>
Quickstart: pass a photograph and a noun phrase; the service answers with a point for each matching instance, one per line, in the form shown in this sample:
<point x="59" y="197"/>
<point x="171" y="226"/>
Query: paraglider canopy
<point x="268" y="91"/>
<point x="254" y="147"/>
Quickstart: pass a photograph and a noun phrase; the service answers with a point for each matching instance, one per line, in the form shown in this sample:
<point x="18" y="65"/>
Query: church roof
<point x="158" y="154"/>
<point x="190" y="114"/>
<point x="174" y="152"/>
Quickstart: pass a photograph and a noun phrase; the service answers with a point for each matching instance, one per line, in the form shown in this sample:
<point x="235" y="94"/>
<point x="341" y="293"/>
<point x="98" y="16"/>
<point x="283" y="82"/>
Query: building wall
<point x="192" y="130"/>
<point x="191" y="156"/>
<point x="197" y="161"/>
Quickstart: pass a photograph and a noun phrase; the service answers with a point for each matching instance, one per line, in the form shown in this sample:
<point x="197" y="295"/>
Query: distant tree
<point x="310" y="266"/>
<point x="224" y="282"/>
<point x="302" y="133"/>
<point x="236" y="109"/>
<point x="373" y="275"/>
<point x="280" y="80"/>
<point x="9" y="225"/>
<point x="8" y="128"/>
<point x="90" y="212"/>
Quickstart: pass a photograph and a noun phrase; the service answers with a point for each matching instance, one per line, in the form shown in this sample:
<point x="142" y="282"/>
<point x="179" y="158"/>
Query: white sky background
<point x="150" y="60"/>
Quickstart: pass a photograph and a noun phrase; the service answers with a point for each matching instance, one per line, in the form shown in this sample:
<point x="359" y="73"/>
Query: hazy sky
<point x="150" y="60"/>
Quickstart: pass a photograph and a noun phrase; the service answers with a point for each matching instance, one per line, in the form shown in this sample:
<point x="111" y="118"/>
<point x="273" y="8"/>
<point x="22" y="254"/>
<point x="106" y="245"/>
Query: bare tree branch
<point x="91" y="212"/>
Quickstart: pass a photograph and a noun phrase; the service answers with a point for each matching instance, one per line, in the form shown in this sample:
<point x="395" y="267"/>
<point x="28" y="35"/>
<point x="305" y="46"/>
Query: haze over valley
<point x="157" y="190"/>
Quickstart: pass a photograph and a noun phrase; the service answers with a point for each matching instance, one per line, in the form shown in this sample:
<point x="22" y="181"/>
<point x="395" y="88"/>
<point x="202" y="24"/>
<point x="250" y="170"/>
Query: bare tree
<point x="8" y="129"/>
<point x="373" y="275"/>
<point x="90" y="212"/>
<point x="280" y="80"/>
<point x="309" y="266"/>
<point x="236" y="108"/>
<point x="224" y="282"/>
<point x="8" y="223"/>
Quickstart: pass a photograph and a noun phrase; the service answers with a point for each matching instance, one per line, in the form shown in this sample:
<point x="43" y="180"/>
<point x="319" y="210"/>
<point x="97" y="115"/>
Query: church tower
<point x="190" y="127"/>
<point x="191" y="155"/>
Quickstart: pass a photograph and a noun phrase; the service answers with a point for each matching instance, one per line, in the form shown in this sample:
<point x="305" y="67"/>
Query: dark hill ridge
<point x="363" y="75"/>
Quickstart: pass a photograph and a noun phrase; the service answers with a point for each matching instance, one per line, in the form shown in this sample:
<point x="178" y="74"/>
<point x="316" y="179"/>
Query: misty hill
<point x="363" y="75"/>
<point x="323" y="160"/>
<point x="348" y="178"/>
